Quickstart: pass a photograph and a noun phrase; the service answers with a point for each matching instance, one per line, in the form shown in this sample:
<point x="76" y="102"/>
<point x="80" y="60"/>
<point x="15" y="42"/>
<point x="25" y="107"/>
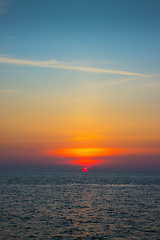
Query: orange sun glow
<point x="91" y="156"/>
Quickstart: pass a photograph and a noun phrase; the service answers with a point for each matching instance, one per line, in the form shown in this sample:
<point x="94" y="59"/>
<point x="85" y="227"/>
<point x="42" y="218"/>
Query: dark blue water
<point x="80" y="206"/>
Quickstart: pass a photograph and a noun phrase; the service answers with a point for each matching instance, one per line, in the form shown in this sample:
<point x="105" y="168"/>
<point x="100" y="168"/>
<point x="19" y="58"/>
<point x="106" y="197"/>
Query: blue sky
<point x="125" y="32"/>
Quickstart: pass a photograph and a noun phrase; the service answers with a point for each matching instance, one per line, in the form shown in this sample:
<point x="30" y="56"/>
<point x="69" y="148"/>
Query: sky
<point x="79" y="85"/>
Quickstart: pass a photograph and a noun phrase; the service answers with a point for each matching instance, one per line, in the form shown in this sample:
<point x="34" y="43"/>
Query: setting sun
<point x="84" y="169"/>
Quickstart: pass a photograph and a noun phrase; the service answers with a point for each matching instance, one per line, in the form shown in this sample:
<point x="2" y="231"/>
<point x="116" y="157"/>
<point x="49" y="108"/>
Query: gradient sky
<point x="80" y="85"/>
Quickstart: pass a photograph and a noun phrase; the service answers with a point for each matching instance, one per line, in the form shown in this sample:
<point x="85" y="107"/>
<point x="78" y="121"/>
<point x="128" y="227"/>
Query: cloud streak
<point x="63" y="65"/>
<point x="3" y="6"/>
<point x="4" y="100"/>
<point x="8" y="91"/>
<point x="85" y="137"/>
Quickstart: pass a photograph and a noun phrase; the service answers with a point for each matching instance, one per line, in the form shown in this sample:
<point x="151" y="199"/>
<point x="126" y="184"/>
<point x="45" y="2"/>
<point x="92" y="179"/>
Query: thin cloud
<point x="109" y="84"/>
<point x="88" y="62"/>
<point x="110" y="62"/>
<point x="3" y="7"/>
<point x="63" y="65"/>
<point x="8" y="91"/>
<point x="84" y="137"/>
<point x="4" y="101"/>
<point x="10" y="37"/>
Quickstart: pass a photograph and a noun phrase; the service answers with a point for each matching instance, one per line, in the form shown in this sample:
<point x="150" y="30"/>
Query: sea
<point x="49" y="205"/>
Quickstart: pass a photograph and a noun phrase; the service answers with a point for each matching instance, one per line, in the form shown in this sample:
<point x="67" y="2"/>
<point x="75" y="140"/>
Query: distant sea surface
<point x="80" y="206"/>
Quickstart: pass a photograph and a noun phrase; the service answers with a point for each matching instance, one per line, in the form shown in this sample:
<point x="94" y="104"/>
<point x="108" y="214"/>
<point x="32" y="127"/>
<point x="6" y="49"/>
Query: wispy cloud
<point x="8" y="91"/>
<point x="4" y="100"/>
<point x="3" y="6"/>
<point x="111" y="62"/>
<point x="84" y="137"/>
<point x="64" y="65"/>
<point x="89" y="62"/>
<point x="112" y="83"/>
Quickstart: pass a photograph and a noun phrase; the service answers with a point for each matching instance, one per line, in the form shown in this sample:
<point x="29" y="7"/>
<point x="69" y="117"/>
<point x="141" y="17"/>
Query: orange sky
<point x="86" y="93"/>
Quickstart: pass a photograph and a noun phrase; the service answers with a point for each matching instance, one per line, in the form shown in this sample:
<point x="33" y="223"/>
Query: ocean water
<point x="80" y="206"/>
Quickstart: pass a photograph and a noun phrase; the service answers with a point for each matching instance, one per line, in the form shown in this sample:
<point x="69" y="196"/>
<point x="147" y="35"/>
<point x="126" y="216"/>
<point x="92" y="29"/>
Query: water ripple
<point x="80" y="206"/>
